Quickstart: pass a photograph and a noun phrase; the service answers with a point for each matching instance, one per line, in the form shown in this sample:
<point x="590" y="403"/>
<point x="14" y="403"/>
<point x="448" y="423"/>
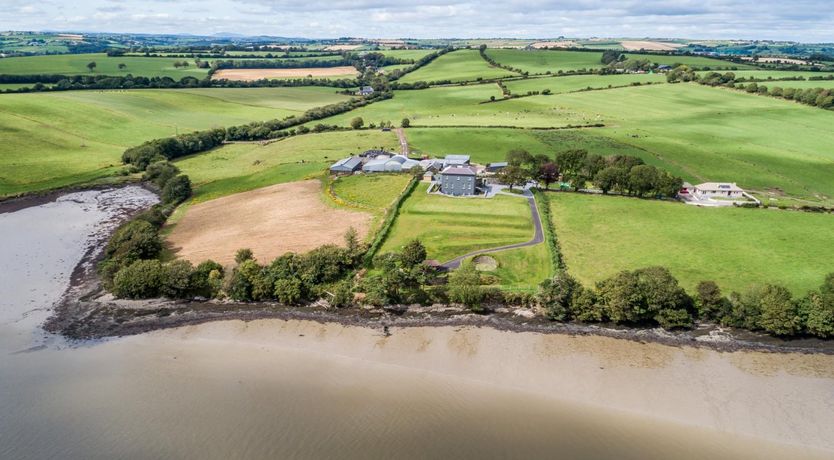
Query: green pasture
<point x="76" y="64"/>
<point x="62" y="138"/>
<point x="543" y="61"/>
<point x="406" y="54"/>
<point x="696" y="62"/>
<point x="374" y="192"/>
<point x="573" y="83"/>
<point x="771" y="146"/>
<point x="236" y="168"/>
<point x="775" y="74"/>
<point x="487" y="145"/>
<point x="462" y="65"/>
<point x="450" y="227"/>
<point x="602" y="235"/>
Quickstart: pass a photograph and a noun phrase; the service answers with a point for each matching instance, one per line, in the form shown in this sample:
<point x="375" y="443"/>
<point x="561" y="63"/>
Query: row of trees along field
<point x="624" y="174"/>
<point x="652" y="296"/>
<point x="815" y="97"/>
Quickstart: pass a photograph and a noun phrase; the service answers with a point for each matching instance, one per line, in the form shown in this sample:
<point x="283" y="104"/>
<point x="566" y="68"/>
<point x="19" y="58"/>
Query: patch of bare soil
<point x="558" y="44"/>
<point x="259" y="74"/>
<point x="650" y="46"/>
<point x="271" y="221"/>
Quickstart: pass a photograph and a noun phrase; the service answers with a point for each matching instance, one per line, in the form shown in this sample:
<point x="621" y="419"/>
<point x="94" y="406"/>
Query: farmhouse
<point x="717" y="190"/>
<point x="396" y="163"/>
<point x="366" y="91"/>
<point x="347" y="165"/>
<point x="458" y="181"/>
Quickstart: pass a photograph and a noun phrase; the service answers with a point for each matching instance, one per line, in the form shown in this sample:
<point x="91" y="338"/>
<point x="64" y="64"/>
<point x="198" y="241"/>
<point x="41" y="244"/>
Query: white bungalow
<point x="718" y="190"/>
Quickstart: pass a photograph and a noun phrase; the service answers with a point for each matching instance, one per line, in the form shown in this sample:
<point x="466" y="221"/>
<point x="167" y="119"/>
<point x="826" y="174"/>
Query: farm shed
<point x="495" y="167"/>
<point x="396" y="163"/>
<point x="347" y="165"/>
<point x="455" y="160"/>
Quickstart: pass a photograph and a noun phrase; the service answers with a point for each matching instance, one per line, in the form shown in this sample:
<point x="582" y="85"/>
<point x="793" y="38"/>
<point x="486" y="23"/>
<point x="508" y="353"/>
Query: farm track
<point x="538" y="237"/>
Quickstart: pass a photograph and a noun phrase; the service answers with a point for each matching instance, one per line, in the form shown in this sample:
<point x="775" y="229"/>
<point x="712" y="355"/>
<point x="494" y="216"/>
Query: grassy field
<point x="76" y="64"/>
<point x="696" y="62"/>
<point x="450" y="227"/>
<point x="374" y="192"/>
<point x="765" y="144"/>
<point x="542" y="61"/>
<point x="522" y="269"/>
<point x="462" y="106"/>
<point x="406" y="54"/>
<point x="463" y="65"/>
<point x="600" y="236"/>
<point x="580" y="82"/>
<point x="238" y="168"/>
<point x="57" y="139"/>
<point x="762" y="74"/>
<point x="487" y="145"/>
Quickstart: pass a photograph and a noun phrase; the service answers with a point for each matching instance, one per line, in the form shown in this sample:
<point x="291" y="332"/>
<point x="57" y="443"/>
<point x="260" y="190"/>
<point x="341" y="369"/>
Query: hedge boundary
<point x="556" y="259"/>
<point x="390" y="216"/>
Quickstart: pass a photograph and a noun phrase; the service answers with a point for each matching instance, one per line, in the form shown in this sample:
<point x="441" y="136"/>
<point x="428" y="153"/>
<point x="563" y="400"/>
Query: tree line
<point x="652" y="296"/>
<point x="625" y="174"/>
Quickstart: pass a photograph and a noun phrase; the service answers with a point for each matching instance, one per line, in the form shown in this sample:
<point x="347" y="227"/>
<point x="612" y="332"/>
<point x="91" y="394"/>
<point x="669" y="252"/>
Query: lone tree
<point x="405" y="123"/>
<point x="91" y="65"/>
<point x="357" y="123"/>
<point x="122" y="66"/>
<point x="548" y="173"/>
<point x="413" y="254"/>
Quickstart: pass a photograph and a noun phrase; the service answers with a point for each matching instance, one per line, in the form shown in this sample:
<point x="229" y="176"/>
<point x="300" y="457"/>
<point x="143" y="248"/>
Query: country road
<point x="538" y="237"/>
<point x="403" y="141"/>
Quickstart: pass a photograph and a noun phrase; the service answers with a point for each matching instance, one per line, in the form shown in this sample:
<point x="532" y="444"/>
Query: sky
<point x="797" y="20"/>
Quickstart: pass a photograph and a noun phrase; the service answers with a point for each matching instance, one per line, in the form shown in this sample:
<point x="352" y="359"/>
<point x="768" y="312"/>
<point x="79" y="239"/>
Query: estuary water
<point x="298" y="389"/>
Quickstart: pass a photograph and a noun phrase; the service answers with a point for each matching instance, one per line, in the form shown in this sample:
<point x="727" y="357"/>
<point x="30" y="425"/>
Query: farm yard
<point x="271" y="221"/>
<point x="57" y="139"/>
<point x="736" y="248"/>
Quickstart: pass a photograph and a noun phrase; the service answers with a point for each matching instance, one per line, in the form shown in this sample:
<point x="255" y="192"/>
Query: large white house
<point x="718" y="190"/>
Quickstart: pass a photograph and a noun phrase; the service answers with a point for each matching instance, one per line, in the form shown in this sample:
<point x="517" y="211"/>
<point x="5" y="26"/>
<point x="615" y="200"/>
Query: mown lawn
<point x="57" y="139"/>
<point x="462" y="65"/>
<point x="450" y="227"/>
<point x="522" y="269"/>
<point x="238" y="168"/>
<point x="601" y="236"/>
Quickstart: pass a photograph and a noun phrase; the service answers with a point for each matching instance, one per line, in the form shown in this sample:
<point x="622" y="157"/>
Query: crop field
<point x="542" y="61"/>
<point x="277" y="74"/>
<point x="573" y="83"/>
<point x="600" y="236"/>
<point x="76" y="64"/>
<point x="487" y="145"/>
<point x="238" y="168"/>
<point x="61" y="138"/>
<point x="450" y="227"/>
<point x="771" y="146"/>
<point x="271" y="221"/>
<point x="463" y="65"/>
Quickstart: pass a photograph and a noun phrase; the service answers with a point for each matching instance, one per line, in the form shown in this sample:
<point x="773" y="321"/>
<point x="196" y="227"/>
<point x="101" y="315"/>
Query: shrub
<point x="709" y="301"/>
<point x="176" y="190"/>
<point x="242" y="255"/>
<point x="413" y="254"/>
<point x="140" y="280"/>
<point x="288" y="291"/>
<point x="201" y="280"/>
<point x="780" y="315"/>
<point x="160" y="173"/>
<point x="176" y="282"/>
<point x="464" y="287"/>
<point x="556" y="295"/>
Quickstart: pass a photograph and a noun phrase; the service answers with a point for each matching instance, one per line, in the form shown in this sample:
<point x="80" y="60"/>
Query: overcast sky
<point x="800" y="20"/>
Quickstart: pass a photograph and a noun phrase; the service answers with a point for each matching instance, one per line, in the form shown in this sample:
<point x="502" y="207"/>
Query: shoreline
<point x="85" y="312"/>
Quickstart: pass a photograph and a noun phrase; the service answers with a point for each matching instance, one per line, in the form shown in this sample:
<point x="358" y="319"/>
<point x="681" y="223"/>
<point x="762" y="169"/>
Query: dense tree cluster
<point x="621" y="173"/>
<point x="652" y="296"/>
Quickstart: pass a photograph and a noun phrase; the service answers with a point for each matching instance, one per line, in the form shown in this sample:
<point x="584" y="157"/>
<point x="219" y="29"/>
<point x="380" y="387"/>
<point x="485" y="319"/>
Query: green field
<point x="450" y="227"/>
<point x="76" y="64"/>
<point x="57" y="139"/>
<point x="763" y="74"/>
<point x="768" y="145"/>
<point x="238" y="168"/>
<point x="600" y="236"/>
<point x="462" y="106"/>
<point x="374" y="192"/>
<point x="572" y="83"/>
<point x="487" y="145"/>
<point x="543" y="61"/>
<point x="696" y="62"/>
<point x="462" y="65"/>
<point x="522" y="269"/>
<point x="406" y="54"/>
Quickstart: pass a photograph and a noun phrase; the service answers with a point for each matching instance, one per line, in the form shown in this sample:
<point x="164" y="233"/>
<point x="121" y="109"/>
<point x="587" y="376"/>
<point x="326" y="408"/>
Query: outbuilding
<point x="347" y="165"/>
